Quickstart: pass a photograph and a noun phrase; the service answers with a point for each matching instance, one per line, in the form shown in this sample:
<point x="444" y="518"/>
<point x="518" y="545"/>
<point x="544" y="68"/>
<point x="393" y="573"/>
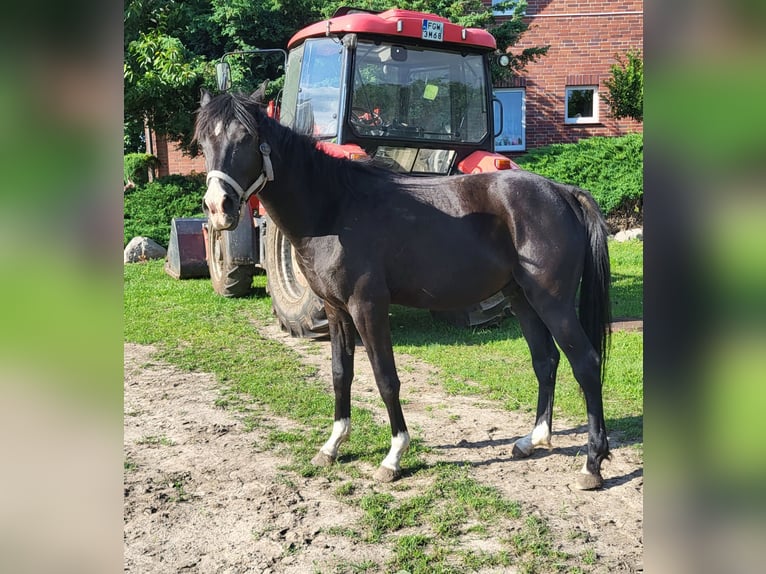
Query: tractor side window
<point x="290" y="91"/>
<point x="318" y="98"/>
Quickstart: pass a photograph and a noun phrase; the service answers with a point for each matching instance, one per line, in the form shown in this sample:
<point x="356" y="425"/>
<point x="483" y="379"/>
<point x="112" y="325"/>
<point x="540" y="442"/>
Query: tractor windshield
<point x="411" y="93"/>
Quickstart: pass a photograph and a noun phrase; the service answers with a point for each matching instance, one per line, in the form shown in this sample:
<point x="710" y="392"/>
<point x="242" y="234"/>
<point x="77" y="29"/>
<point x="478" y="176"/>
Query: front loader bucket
<point x="186" y="250"/>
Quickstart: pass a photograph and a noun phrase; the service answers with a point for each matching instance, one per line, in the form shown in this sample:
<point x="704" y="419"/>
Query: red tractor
<point x="407" y="90"/>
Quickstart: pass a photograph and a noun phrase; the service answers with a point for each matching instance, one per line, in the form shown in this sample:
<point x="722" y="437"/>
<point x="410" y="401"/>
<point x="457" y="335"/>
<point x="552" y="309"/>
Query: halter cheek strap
<point x="260" y="182"/>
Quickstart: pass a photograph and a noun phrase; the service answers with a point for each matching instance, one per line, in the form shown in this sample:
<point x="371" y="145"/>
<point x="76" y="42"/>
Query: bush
<point x="625" y="95"/>
<point x="149" y="208"/>
<point x="610" y="168"/>
<point x="136" y="167"/>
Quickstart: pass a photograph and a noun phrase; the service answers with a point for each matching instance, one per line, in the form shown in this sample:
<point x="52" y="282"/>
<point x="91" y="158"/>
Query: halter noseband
<point x="266" y="175"/>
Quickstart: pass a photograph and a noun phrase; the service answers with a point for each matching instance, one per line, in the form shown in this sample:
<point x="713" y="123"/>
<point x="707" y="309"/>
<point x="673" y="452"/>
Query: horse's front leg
<point x="342" y="343"/>
<point x="371" y="319"/>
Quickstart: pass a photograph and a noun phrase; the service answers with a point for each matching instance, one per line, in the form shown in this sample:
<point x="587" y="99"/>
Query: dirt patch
<point x="628" y="325"/>
<point x="203" y="493"/>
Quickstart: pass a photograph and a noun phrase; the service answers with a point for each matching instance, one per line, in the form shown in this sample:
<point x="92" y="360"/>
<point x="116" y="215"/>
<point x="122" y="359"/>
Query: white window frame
<point x="523" y="145"/>
<point x="581" y="120"/>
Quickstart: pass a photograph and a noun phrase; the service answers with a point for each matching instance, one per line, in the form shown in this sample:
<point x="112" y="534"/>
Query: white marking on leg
<point x="584" y="469"/>
<point x="540" y="436"/>
<point x="399" y="445"/>
<point x="341" y="430"/>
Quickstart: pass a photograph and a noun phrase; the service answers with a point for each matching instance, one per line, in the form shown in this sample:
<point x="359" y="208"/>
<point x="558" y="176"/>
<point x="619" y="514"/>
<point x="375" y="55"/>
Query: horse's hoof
<point x="589" y="481"/>
<point x="517" y="452"/>
<point x="322" y="459"/>
<point x="384" y="474"/>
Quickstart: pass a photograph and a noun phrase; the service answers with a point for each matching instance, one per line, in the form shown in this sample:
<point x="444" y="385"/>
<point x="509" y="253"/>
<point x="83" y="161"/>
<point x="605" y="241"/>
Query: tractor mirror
<point x="223" y="75"/>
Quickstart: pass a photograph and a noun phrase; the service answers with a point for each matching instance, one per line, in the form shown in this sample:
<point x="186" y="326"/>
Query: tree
<point x="162" y="74"/>
<point x="171" y="46"/>
<point x="470" y="14"/>
<point x="626" y="87"/>
<point x="507" y="34"/>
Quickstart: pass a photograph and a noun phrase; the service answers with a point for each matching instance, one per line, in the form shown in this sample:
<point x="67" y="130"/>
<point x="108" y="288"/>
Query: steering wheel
<point x="365" y="118"/>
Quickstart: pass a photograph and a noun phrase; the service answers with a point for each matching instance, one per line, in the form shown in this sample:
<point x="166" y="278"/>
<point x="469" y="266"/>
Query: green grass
<point x="155" y="440"/>
<point x="627" y="260"/>
<point x="195" y="329"/>
<point x="450" y="506"/>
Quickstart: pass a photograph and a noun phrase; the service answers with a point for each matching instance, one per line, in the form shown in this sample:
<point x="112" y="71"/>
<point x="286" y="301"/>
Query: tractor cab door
<point x="311" y="99"/>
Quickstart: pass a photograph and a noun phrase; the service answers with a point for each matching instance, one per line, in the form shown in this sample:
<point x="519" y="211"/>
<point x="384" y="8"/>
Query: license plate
<point x="433" y="30"/>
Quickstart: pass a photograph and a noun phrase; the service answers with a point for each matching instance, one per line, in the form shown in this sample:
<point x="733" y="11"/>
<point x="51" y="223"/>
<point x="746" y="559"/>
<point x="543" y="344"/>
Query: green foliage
<point x="471" y="14"/>
<point x="626" y="87"/>
<point x="167" y="49"/>
<point x="610" y="168"/>
<point x="162" y="78"/>
<point x="507" y="33"/>
<point x="150" y="208"/>
<point x="136" y="167"/>
<point x="170" y="49"/>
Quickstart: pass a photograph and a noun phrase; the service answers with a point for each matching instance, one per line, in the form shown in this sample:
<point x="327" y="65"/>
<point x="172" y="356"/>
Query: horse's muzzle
<point x="219" y="207"/>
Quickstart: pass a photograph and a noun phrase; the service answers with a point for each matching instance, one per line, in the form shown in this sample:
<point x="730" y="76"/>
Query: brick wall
<point x="173" y="160"/>
<point x="584" y="38"/>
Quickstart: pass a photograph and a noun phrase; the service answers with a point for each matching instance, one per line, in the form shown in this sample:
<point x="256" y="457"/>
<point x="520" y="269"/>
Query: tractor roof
<point x="395" y="23"/>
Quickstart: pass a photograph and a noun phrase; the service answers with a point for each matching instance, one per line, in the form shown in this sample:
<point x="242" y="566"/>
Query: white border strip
<point x="640" y="13"/>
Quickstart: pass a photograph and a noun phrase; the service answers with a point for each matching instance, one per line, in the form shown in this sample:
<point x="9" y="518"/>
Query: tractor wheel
<point x="297" y="308"/>
<point x="484" y="314"/>
<point x="228" y="278"/>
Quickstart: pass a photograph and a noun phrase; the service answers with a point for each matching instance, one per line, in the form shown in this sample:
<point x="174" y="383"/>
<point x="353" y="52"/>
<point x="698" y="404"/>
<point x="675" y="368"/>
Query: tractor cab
<point x="411" y="90"/>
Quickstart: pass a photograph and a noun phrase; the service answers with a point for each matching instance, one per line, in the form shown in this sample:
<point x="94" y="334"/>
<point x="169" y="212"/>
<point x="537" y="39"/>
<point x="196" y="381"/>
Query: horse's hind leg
<point x="586" y="367"/>
<point x="342" y="343"/>
<point x="545" y="361"/>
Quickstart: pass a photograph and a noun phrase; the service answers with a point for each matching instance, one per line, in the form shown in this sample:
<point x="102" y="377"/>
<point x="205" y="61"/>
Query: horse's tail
<point x="595" y="307"/>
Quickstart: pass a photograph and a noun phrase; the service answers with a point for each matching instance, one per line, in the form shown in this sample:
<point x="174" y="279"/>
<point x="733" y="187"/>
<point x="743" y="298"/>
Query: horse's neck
<point x="298" y="201"/>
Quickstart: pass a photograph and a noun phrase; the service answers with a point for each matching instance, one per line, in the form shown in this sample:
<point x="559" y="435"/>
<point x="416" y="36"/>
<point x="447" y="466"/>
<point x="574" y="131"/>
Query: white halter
<point x="266" y="175"/>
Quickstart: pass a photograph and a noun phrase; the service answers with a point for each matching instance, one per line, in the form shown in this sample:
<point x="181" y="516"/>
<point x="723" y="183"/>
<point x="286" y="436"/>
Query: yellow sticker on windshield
<point x="430" y="92"/>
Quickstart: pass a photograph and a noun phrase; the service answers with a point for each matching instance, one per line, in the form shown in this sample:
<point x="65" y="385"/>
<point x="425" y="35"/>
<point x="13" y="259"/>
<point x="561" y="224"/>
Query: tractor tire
<point x="298" y="309"/>
<point x="486" y="313"/>
<point x="228" y="278"/>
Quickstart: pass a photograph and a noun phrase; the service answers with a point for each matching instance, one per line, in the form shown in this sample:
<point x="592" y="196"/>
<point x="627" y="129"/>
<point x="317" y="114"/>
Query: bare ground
<point x="203" y="494"/>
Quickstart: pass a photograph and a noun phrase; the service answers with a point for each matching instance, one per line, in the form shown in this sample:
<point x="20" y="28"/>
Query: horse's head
<point x="237" y="161"/>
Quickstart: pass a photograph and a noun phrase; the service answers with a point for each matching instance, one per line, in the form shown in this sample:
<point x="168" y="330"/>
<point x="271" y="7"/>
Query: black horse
<point x="366" y="238"/>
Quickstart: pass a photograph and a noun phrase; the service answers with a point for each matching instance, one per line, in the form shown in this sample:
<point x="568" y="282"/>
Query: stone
<point x="143" y="249"/>
<point x="628" y="234"/>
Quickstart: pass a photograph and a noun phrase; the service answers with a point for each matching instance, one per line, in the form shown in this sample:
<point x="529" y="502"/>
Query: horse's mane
<point x="339" y="175"/>
<point x="225" y="107"/>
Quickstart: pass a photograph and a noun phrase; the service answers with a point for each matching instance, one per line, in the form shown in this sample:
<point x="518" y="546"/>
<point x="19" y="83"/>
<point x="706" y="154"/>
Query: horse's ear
<point x="259" y="95"/>
<point x="205" y="97"/>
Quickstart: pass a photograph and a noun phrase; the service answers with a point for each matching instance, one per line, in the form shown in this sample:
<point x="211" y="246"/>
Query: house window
<point x="581" y="105"/>
<point x="512" y="135"/>
<point x="510" y="7"/>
